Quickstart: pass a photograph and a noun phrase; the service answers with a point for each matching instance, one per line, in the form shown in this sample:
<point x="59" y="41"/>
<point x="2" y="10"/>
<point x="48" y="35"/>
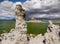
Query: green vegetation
<point x="34" y="28"/>
<point x="5" y="26"/>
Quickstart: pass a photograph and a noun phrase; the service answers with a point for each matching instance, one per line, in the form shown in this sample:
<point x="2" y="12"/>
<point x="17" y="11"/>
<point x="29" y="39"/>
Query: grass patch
<point x="5" y="26"/>
<point x="32" y="28"/>
<point x="36" y="28"/>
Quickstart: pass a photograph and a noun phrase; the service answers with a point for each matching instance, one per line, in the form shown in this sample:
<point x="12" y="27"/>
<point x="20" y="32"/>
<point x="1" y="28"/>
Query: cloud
<point x="40" y="4"/>
<point x="47" y="16"/>
<point x="5" y="9"/>
<point x="32" y="4"/>
<point x="33" y="8"/>
<point x="42" y="8"/>
<point x="6" y="5"/>
<point x="50" y="2"/>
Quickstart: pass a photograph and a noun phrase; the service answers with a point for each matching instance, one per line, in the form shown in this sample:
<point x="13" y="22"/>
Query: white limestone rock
<point x="17" y="35"/>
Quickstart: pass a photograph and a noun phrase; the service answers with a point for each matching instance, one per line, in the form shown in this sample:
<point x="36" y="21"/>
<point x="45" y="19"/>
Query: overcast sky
<point x="33" y="8"/>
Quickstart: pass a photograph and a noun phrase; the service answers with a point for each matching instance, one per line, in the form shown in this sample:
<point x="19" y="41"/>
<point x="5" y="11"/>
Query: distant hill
<point x="11" y="18"/>
<point x="47" y="18"/>
<point x="44" y="18"/>
<point x="6" y="18"/>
